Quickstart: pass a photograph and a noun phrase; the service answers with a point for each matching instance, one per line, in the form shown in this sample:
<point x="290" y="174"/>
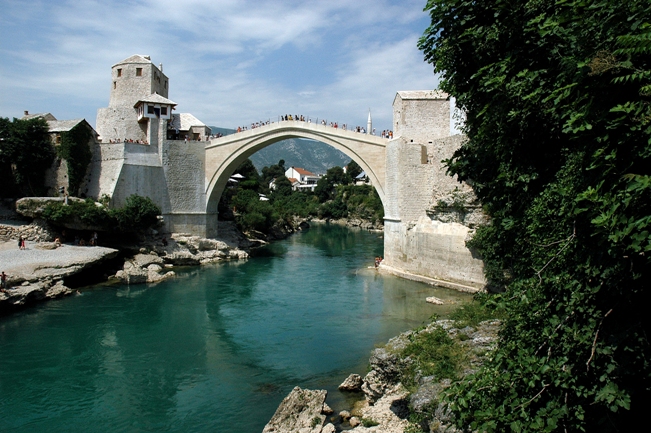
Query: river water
<point x="214" y="350"/>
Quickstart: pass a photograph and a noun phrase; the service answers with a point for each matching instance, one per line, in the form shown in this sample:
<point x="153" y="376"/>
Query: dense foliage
<point x="557" y="97"/>
<point x="137" y="214"/>
<point x="75" y="150"/>
<point x="334" y="197"/>
<point x="25" y="154"/>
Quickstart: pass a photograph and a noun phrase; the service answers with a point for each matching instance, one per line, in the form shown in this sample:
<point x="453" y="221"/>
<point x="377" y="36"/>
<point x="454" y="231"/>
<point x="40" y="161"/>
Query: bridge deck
<point x="298" y="126"/>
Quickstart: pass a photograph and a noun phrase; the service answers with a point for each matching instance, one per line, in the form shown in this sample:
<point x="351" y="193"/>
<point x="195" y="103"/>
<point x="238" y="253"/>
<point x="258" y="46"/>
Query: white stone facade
<point x="132" y="80"/>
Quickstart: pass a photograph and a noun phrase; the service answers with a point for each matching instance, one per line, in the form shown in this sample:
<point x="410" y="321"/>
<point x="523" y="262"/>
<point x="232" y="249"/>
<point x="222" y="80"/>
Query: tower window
<point x="166" y="84"/>
<point x="150" y="109"/>
<point x="163" y="111"/>
<point x="138" y="72"/>
<point x="115" y="85"/>
<point x="119" y="72"/>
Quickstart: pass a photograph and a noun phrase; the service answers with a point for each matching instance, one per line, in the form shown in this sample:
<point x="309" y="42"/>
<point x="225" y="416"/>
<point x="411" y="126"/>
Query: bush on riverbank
<point x="428" y="360"/>
<point x="138" y="214"/>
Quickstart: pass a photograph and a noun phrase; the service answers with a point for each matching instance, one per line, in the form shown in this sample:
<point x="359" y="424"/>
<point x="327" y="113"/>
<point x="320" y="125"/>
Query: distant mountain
<point x="311" y="155"/>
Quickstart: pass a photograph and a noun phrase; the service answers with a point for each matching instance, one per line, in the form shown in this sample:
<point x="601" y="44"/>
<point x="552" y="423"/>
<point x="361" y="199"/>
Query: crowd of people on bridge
<point x="128" y="140"/>
<point x="300" y="118"/>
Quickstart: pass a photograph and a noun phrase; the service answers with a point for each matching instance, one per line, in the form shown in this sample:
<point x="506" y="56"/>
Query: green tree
<point x="138" y="213"/>
<point x="272" y="172"/>
<point x="26" y="153"/>
<point x="558" y="119"/>
<point x="251" y="178"/>
<point x="283" y="187"/>
<point x="325" y="187"/>
<point x="353" y="169"/>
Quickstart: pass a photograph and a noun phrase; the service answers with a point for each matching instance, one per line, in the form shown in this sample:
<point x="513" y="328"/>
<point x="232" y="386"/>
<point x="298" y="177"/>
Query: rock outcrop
<point x="353" y="383"/>
<point x="386" y="367"/>
<point x="30" y="293"/>
<point x="143" y="268"/>
<point x="302" y="411"/>
<point x="36" y="274"/>
<point x="388" y="405"/>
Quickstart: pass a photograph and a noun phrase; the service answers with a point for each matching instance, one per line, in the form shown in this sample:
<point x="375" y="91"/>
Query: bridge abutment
<point x="429" y="215"/>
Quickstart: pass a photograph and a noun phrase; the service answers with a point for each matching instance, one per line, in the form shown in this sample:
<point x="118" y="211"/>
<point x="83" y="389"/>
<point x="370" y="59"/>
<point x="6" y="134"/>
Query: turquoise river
<point x="215" y="349"/>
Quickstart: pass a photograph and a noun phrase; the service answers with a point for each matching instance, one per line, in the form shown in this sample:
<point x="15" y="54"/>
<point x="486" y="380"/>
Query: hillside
<point x="311" y="155"/>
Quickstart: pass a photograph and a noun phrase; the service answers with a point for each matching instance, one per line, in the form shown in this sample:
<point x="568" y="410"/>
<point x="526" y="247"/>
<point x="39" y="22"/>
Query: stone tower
<point x="137" y="103"/>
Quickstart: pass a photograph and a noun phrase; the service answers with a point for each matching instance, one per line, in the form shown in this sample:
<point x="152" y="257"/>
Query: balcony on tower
<point x="154" y="106"/>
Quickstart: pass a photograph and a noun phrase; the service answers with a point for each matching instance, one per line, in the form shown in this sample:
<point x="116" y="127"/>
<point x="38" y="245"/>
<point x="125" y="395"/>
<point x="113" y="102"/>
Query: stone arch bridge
<point x="423" y="238"/>
<point x="225" y="154"/>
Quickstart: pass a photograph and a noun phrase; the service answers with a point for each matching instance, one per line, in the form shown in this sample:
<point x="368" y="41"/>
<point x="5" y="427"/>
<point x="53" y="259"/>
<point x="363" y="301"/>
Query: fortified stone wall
<point x="421" y="116"/>
<point x="184" y="164"/>
<point x="56" y="176"/>
<point x="106" y="166"/>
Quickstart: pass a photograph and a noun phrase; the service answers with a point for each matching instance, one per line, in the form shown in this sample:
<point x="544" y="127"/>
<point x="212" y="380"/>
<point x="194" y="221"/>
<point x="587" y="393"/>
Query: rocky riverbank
<point x="388" y="404"/>
<point x="45" y="269"/>
<point x="38" y="272"/>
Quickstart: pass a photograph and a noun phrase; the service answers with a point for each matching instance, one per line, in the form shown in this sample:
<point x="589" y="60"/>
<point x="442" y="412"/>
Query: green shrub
<point x="138" y="213"/>
<point x="75" y="150"/>
<point x="434" y="353"/>
<point x="477" y="311"/>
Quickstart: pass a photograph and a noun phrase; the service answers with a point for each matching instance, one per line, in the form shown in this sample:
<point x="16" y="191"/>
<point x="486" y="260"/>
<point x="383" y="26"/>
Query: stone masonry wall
<point x="421" y="116"/>
<point x="106" y="166"/>
<point x="417" y="240"/>
<point x="429" y="214"/>
<point x="184" y="164"/>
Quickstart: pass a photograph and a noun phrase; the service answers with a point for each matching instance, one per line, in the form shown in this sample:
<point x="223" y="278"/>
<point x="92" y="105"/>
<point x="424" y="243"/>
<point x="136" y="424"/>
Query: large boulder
<point x="30" y="293"/>
<point x="300" y="412"/>
<point x="353" y="383"/>
<point x="389" y="413"/>
<point x="143" y="268"/>
<point x="385" y="373"/>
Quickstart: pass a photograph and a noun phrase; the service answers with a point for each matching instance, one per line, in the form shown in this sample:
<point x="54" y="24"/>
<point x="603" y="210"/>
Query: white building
<point x="303" y="179"/>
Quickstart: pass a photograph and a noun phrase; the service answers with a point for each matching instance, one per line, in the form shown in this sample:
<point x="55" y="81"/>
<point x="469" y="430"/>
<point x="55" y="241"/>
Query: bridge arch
<point x="225" y="154"/>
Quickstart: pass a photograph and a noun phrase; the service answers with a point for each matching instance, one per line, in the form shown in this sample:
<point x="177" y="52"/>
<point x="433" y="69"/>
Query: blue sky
<point x="230" y="62"/>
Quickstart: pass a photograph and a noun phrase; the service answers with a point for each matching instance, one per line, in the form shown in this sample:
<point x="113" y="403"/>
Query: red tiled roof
<point x="303" y="171"/>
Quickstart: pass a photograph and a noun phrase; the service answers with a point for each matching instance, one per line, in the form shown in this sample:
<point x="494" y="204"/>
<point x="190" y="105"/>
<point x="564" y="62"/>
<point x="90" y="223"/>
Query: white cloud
<point x="230" y="62"/>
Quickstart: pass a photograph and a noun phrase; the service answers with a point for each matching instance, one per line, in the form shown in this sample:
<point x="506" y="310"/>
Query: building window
<point x="166" y="84"/>
<point x="138" y="72"/>
<point x="150" y="109"/>
<point x="119" y="72"/>
<point x="58" y="139"/>
<point x="115" y="85"/>
<point x="163" y="111"/>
